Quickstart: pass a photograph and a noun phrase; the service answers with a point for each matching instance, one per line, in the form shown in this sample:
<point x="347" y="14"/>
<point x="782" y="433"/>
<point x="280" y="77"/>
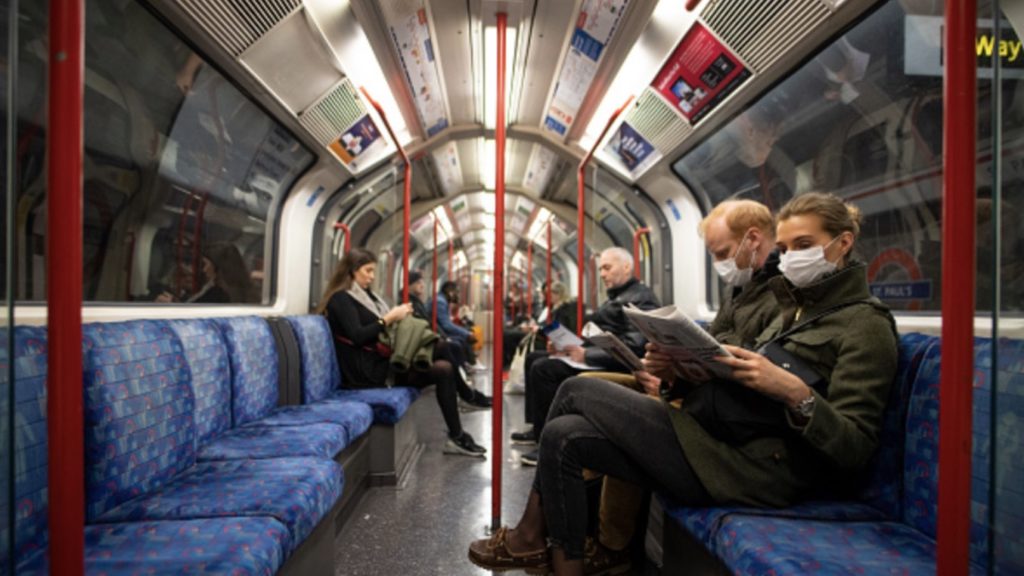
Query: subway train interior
<point x="295" y="286"/>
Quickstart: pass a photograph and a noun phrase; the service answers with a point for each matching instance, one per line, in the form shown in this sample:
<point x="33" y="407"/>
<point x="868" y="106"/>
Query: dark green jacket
<point x="746" y="312"/>
<point x="855" y="350"/>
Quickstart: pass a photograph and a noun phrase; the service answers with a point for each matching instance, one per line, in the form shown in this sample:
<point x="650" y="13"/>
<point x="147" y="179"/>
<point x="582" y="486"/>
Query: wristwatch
<point x="805" y="408"/>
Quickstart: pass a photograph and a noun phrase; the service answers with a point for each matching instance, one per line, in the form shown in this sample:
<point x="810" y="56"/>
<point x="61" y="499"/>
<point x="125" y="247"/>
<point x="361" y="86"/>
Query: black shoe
<point x="530" y="458"/>
<point x="464" y="445"/>
<point x="524" y="438"/>
<point x="478" y="401"/>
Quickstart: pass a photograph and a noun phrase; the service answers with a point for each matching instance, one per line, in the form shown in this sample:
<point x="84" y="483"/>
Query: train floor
<point x="424" y="526"/>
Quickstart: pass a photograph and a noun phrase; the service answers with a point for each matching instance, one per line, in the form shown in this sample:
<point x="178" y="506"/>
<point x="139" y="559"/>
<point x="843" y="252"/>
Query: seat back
<point x="252" y="354"/>
<point x="31" y="535"/>
<point x="884" y="487"/>
<point x="139" y="429"/>
<point x="320" y="373"/>
<point x="210" y="372"/>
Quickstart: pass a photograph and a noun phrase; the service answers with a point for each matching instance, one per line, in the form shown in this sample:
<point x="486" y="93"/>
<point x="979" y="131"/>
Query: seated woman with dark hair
<point x="227" y="278"/>
<point x="765" y="437"/>
<point x="357" y="317"/>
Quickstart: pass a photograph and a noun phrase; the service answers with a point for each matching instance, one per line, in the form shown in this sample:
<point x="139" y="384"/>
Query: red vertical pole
<point x="197" y="248"/>
<point x="433" y="314"/>
<point x="499" y="265"/>
<point x="406" y="194"/>
<point x="581" y="173"/>
<point x="348" y="237"/>
<point x="636" y="249"/>
<point x="451" y="261"/>
<point x="547" y="295"/>
<point x="529" y="279"/>
<point x="958" y="183"/>
<point x="64" y="288"/>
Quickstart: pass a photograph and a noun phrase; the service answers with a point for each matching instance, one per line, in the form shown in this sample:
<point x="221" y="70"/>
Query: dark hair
<point x="414" y="277"/>
<point x="343" y="275"/>
<point x="230" y="273"/>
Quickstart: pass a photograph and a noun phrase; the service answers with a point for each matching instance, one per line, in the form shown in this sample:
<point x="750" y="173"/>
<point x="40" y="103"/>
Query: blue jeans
<point x="610" y="429"/>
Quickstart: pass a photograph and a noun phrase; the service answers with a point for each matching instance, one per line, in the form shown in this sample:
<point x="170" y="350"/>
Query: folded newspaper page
<point x="679" y="336"/>
<point x="611" y="344"/>
<point x="561" y="337"/>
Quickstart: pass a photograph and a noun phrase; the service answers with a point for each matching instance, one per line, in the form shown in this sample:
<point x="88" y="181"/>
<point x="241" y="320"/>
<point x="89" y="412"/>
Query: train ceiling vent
<point x="333" y="115"/>
<point x="762" y="32"/>
<point x="238" y="24"/>
<point x="653" y="118"/>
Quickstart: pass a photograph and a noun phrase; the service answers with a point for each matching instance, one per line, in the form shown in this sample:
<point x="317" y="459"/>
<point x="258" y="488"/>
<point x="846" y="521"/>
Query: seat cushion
<point x="207" y="357"/>
<point x="320" y="374"/>
<point x="389" y="404"/>
<point x="763" y="545"/>
<point x="260" y="442"/>
<point x="253" y="546"/>
<point x="254" y="366"/>
<point x="355" y="417"/>
<point x="298" y="492"/>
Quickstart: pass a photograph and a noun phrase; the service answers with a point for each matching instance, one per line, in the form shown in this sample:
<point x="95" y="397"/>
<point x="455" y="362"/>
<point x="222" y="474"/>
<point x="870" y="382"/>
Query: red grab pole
<point x="406" y="194"/>
<point x="547" y="295"/>
<point x="66" y="451"/>
<point x="636" y="249"/>
<point x="433" y="314"/>
<point x="581" y="173"/>
<point x="529" y="279"/>
<point x="958" y="223"/>
<point x="348" y="235"/>
<point x="499" y="265"/>
<point x="451" y="260"/>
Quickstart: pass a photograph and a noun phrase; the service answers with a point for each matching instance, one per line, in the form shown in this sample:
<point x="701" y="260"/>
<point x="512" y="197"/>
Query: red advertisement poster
<point x="700" y="74"/>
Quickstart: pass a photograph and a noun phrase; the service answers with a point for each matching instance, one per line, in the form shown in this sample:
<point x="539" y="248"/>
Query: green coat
<point x="412" y="344"/>
<point x="745" y="314"/>
<point x="855" y="349"/>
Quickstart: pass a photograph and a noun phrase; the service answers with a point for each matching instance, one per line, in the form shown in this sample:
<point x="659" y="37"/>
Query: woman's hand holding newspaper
<point x="658" y="364"/>
<point x="650" y="383"/>
<point x="755" y="371"/>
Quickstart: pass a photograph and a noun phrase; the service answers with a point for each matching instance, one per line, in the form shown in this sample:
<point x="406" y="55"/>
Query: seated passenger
<point x="449" y="296"/>
<point x="740" y="236"/>
<point x="811" y="437"/>
<point x="357" y="317"/>
<point x="227" y="278"/>
<point x="545" y="372"/>
<point x="451" y="350"/>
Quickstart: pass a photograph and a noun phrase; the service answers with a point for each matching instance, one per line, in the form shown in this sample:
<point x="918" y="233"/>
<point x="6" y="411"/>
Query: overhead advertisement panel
<point x="597" y="22"/>
<point x="416" y="52"/>
<point x="358" y="143"/>
<point x="539" y="168"/>
<point x="449" y="170"/>
<point x="632" y="149"/>
<point x="700" y="74"/>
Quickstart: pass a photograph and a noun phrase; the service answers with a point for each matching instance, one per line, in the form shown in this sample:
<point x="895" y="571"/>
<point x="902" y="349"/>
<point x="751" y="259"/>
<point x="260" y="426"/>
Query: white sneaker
<point x="478" y="367"/>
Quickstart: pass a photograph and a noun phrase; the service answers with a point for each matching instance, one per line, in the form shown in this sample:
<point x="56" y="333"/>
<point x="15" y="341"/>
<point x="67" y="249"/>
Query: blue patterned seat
<point x="355" y="417"/>
<point x="881" y="497"/>
<point x="252" y="546"/>
<point x="296" y="491"/>
<point x="389" y="404"/>
<point x="254" y="441"/>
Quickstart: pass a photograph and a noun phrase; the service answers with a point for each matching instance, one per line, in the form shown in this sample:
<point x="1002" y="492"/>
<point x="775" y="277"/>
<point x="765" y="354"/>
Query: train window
<point x="863" y="119"/>
<point x="183" y="172"/>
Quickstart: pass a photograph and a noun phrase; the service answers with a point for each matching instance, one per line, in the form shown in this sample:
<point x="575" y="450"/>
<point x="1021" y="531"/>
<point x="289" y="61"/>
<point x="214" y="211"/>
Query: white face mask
<point x="731" y="273"/>
<point x="804" y="267"/>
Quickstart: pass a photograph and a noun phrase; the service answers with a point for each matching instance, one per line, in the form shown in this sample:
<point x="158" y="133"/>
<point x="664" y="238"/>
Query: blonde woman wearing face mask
<point x="771" y="437"/>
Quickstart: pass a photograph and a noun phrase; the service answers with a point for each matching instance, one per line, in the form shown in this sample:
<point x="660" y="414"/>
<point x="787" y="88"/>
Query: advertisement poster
<point x="699" y="75"/>
<point x="632" y="149"/>
<point x="416" y="51"/>
<point x="360" y="137"/>
<point x="923" y="47"/>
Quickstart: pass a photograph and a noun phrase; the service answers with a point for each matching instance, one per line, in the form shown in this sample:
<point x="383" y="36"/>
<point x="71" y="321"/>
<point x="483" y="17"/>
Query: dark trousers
<point x="446" y="377"/>
<point x="610" y="429"/>
<point x="543" y="377"/>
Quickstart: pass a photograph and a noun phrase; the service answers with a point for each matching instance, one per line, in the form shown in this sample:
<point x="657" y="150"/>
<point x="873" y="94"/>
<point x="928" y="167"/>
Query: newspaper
<point x="562" y="338"/>
<point x="677" y="335"/>
<point x="611" y="344"/>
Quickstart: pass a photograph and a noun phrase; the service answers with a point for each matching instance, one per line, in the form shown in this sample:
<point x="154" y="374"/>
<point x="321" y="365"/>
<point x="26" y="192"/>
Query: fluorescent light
<point x="491" y="72"/>
<point x="487" y="157"/>
<point x="539" y="224"/>
<point x="660" y="36"/>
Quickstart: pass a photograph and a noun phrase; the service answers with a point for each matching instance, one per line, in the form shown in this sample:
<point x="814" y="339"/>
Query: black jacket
<point x="611" y="318"/>
<point x="419" y="309"/>
<point x="356" y="331"/>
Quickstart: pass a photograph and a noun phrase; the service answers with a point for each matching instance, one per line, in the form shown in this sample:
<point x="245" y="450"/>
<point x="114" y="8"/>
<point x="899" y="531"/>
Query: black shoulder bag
<point x="735" y="414"/>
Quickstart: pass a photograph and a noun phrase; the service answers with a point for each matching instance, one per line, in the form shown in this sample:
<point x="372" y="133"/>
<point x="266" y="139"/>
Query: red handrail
<point x="179" y="279"/>
<point x="636" y="249"/>
<point x="451" y="260"/>
<point x="348" y="237"/>
<point x="529" y="279"/>
<point x="580" y="233"/>
<point x="547" y="296"/>
<point x="64" y="422"/>
<point x="197" y="254"/>
<point x="406" y="193"/>
<point x="499" y="264"/>
<point x="958" y="271"/>
<point x="433" y="313"/>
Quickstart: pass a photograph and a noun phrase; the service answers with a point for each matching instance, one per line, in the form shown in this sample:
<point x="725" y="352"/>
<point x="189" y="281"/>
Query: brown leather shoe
<point x="599" y="560"/>
<point x="493" y="554"/>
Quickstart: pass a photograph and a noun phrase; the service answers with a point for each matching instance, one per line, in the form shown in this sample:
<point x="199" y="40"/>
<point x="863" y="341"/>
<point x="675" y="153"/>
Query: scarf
<point x="369" y="300"/>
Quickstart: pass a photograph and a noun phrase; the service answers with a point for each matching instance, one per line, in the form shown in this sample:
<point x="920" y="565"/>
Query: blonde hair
<point x="740" y="216"/>
<point x="559" y="292"/>
<point x="837" y="216"/>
